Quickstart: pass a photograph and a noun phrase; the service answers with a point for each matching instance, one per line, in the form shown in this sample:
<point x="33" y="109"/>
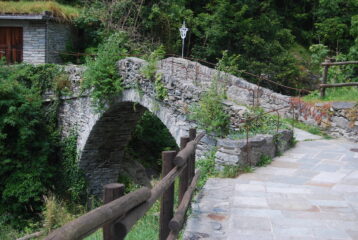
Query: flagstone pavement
<point x="311" y="192"/>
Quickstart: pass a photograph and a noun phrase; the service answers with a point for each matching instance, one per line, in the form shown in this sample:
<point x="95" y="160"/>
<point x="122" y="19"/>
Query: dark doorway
<point x="11" y="44"/>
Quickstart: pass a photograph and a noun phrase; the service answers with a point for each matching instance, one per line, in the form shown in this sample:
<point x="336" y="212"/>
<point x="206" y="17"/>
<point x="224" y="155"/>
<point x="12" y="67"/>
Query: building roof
<point x="36" y="10"/>
<point x="43" y="16"/>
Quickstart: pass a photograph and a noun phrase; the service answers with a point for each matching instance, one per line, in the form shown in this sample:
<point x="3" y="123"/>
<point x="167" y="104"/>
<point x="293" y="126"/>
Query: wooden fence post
<point x="324" y="77"/>
<point x="191" y="162"/>
<point x="183" y="181"/>
<point x="112" y="191"/>
<point x="167" y="202"/>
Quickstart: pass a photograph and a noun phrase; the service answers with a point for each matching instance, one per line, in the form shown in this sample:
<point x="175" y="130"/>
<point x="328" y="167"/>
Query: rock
<point x="235" y="152"/>
<point x="340" y="122"/>
<point x="226" y="159"/>
<point x="239" y="109"/>
<point x="283" y="140"/>
<point x="227" y="143"/>
<point x="342" y="105"/>
<point x="239" y="95"/>
<point x="227" y="102"/>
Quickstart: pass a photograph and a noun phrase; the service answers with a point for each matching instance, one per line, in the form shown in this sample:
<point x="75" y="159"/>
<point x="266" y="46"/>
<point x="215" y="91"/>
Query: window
<point x="11" y="43"/>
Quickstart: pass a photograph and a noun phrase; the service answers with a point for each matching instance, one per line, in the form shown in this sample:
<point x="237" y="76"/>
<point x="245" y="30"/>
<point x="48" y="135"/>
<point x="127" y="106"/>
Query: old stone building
<point x="33" y="38"/>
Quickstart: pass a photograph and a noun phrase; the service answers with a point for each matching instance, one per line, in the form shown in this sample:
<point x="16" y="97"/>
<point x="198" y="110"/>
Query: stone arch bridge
<point x="103" y="136"/>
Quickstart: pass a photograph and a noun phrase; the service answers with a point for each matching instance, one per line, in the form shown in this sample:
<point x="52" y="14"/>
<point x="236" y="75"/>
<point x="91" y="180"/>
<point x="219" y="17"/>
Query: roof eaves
<point x="22" y="17"/>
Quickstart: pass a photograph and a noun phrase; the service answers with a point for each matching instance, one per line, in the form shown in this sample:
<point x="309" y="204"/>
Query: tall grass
<point x="63" y="12"/>
<point x="334" y="94"/>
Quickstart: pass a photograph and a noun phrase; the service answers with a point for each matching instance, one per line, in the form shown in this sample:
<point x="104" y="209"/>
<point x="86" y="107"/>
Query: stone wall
<point x="186" y="80"/>
<point x="59" y="35"/>
<point x="249" y="152"/>
<point x="42" y="40"/>
<point x="339" y="119"/>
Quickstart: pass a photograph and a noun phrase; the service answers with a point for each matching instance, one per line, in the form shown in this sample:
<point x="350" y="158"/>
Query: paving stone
<point x="251" y="223"/>
<point x="250" y="202"/>
<point x="311" y="192"/>
<point x="249" y="188"/>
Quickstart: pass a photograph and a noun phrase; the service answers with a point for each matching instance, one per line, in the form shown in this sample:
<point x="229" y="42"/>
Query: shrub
<point x="26" y="147"/>
<point x="74" y="183"/>
<point x="29" y="138"/>
<point x="264" y="161"/>
<point x="207" y="167"/>
<point x="102" y="75"/>
<point x="209" y="112"/>
<point x="55" y="214"/>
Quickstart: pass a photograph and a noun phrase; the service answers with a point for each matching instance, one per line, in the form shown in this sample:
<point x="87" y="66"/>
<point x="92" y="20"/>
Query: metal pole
<point x="182" y="49"/>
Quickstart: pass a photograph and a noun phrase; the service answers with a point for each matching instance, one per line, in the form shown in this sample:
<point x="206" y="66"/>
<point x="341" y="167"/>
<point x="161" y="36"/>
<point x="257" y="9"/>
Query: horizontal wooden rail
<point x="327" y="63"/>
<point x="124" y="225"/>
<point x="338" y="85"/>
<point x="119" y="215"/>
<point x="183" y="156"/>
<point x="91" y="221"/>
<point x="177" y="221"/>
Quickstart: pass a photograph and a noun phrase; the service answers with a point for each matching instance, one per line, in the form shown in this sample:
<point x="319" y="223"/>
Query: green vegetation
<point x="269" y="38"/>
<point x="63" y="12"/>
<point x="56" y="214"/>
<point x="309" y="128"/>
<point x="208" y="170"/>
<point x="209" y="112"/>
<point x="150" y="72"/>
<point x="264" y="161"/>
<point x="207" y="167"/>
<point x="102" y="75"/>
<point x="149" y="139"/>
<point x="34" y="160"/>
<point x="147" y="227"/>
<point x="349" y="94"/>
<point x="282" y="40"/>
<point x="258" y="122"/>
<point x="73" y="183"/>
<point x="28" y="140"/>
<point x="234" y="171"/>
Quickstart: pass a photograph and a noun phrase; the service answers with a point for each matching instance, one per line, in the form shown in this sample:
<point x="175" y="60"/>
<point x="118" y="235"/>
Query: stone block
<point x="226" y="159"/>
<point x="340" y="122"/>
<point x="342" y="105"/>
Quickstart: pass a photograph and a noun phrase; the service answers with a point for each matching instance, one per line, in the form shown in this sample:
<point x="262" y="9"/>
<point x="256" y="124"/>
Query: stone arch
<point x="102" y="140"/>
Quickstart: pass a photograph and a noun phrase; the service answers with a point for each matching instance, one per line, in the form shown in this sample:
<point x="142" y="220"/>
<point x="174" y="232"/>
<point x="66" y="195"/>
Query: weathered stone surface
<point x="224" y="159"/>
<point x="236" y="152"/>
<point x="102" y="136"/>
<point x="340" y="122"/>
<point x="342" y="105"/>
<point x="283" y="140"/>
<point x="295" y="197"/>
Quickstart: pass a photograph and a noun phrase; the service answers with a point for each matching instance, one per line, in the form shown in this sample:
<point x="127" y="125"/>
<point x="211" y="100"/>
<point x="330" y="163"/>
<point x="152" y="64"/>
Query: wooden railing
<point x="120" y="212"/>
<point x="326" y="64"/>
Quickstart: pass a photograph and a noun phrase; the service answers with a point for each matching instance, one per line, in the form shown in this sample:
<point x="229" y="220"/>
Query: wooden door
<point x="11" y="44"/>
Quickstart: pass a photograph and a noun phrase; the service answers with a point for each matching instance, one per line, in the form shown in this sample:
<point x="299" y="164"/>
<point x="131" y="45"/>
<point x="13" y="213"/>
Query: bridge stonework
<point x="102" y="136"/>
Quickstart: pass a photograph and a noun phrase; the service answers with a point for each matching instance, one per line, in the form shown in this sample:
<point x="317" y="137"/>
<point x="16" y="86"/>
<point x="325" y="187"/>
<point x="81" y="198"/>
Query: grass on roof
<point x="63" y="12"/>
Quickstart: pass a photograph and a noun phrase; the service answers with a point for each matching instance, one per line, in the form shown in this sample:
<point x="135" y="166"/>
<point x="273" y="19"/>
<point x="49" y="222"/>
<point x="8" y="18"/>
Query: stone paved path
<point x="311" y="192"/>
